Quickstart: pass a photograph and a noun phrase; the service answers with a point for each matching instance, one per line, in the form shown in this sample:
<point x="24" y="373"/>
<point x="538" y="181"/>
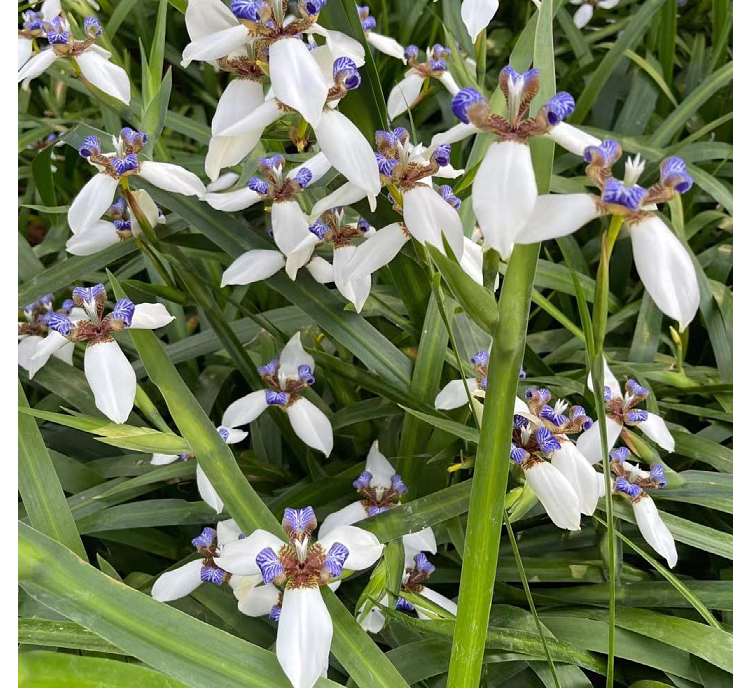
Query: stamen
<point x="297" y="522"/>
<point x="223" y="433"/>
<point x="674" y="175"/>
<point x="546" y="441"/>
<point x="258" y="185"/>
<point x="269" y="565"/>
<point x="247" y="9"/>
<point x="386" y="166"/>
<point x="304" y="372"/>
<point x="633" y="416"/>
<point x="423" y="566"/>
<point x="275" y="614"/>
<point x="319" y="229"/>
<point x="206" y="539"/>
<point x="657" y="475"/>
<point x="481" y="358"/>
<point x="363" y="226"/>
<point x="625" y="486"/>
<point x="123" y="312"/>
<point x="124" y="164"/>
<point x="335" y="559"/>
<point x="558" y="108"/>
<point x="269" y="369"/>
<point x="411" y="52"/>
<point x="398" y="486"/>
<point x="617" y="193"/>
<point x="446" y="193"/>
<point x="470" y="106"/>
<point x="619" y="455"/>
<point x="92" y="27"/>
<point x="90" y="146"/>
<point x="551" y="414"/>
<point x="441" y="156"/>
<point x="277" y="398"/>
<point x="403" y="605"/>
<point x="213" y="575"/>
<point x="604" y="155"/>
<point x="303" y="177"/>
<point x="345" y="73"/>
<point x="57" y="322"/>
<point x="517" y="454"/>
<point x="363" y="480"/>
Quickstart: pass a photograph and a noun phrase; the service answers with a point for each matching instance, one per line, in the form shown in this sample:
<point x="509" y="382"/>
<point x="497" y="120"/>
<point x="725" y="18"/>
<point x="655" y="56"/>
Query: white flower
<point x="654" y="530"/>
<point x="300" y="568"/>
<point x="92" y="60"/>
<point x="585" y="12"/>
<point x="286" y="377"/>
<point x="177" y="583"/>
<point x="33" y="27"/>
<point x="477" y="14"/>
<point x="108" y="371"/>
<point x="385" y="44"/>
<point x="580" y="473"/>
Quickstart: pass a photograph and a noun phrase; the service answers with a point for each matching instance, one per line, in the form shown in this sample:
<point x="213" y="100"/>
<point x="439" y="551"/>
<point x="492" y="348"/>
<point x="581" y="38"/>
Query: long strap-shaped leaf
<point x="359" y="655"/>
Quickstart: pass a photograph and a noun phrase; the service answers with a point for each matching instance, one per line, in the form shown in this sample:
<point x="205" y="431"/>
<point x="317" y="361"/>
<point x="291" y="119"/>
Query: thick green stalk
<point x="485" y="518"/>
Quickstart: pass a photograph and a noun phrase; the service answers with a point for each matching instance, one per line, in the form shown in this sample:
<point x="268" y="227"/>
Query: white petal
<point x="321" y="270"/>
<point x="378" y="465"/>
<point x="300" y="255"/>
<point x="255" y="599"/>
<point x="44" y="349"/>
<point x="374" y="621"/>
<point x="449" y="83"/>
<point x="448" y="172"/>
<point x="163" y="459"/>
<point x="228" y="531"/>
<point x="364" y="547"/>
<point x="387" y="45"/>
<point x="471" y="261"/>
<point x="348" y="150"/>
<point x="24" y="51"/>
<point x="35" y="66"/>
<point x="589" y="442"/>
<point x="296" y="78"/>
<point x="348" y="194"/>
<point x="357" y="290"/>
<point x="223" y="182"/>
<point x="558" y="215"/>
<point x="172" y="178"/>
<point x="583" y="15"/>
<point x="452" y="135"/>
<point x="340" y="44"/>
<point x="347" y="516"/>
<point x="92" y="201"/>
<point x="289" y="225"/>
<point x="99" y="236"/>
<point x="238" y="557"/>
<point x="50" y="9"/>
<point x="178" y="583"/>
<point x="204" y="17"/>
<point x="111" y="378"/>
<point x="572" y="139"/>
<point x="218" y="44"/>
<point x="503" y="194"/>
<point x="254" y="122"/>
<point x="149" y="208"/>
<point x="556" y="494"/>
<point x="427" y="216"/>
<point x="477" y="14"/>
<point x="245" y="409"/>
<point x="377" y="250"/>
<point x="151" y="316"/>
<point x="580" y="474"/>
<point x="233" y="201"/>
<point x="404" y="94"/>
<point x="311" y="425"/>
<point x="442" y="601"/>
<point x="419" y="542"/>
<point x="656" y="429"/>
<point x="104" y="75"/>
<point x="207" y="492"/>
<point x="654" y="530"/>
<point x="318" y="165"/>
<point x="608" y="4"/>
<point x="234" y="436"/>
<point x="253" y="266"/>
<point x="453" y="394"/>
<point x="304" y="638"/>
<point x="292" y="357"/>
<point x="27" y="346"/>
<point x="65" y="353"/>
<point x="666" y="269"/>
<point x="610" y="380"/>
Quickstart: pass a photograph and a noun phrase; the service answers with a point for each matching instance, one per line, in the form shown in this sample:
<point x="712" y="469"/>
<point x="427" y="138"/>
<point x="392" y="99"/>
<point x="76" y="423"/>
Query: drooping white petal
<point x="321" y="270"/>
<point x="666" y="269"/>
<point x="233" y="201"/>
<point x="374" y="621"/>
<point x="610" y="380"/>
<point x="608" y="4"/>
<point x="228" y="531"/>
<point x="178" y="583"/>
<point x="580" y="474"/>
<point x="151" y="316"/>
<point x="572" y="139"/>
<point x="35" y="66"/>
<point x="477" y="14"/>
<point x="254" y="122"/>
<point x="458" y="132"/>
<point x="100" y="235"/>
<point x="449" y="83"/>
<point x="304" y="638"/>
<point x="65" y="353"/>
<point x="44" y="348"/>
<point x="226" y="180"/>
<point x="583" y="15"/>
<point x="387" y="45"/>
<point x="234" y="436"/>
<point x="471" y="261"/>
<point x="255" y="598"/>
<point x="163" y="459"/>
<point x="296" y="78"/>
<point x="289" y="225"/>
<point x="50" y="9"/>
<point x="428" y="216"/>
<point x="340" y="44"/>
<point x="364" y="547"/>
<point x="448" y="172"/>
<point x="300" y="255"/>
<point x="347" y="516"/>
<point x="453" y="394"/>
<point x="111" y="378"/>
<point x="105" y="75"/>
<point x="503" y="194"/>
<point x="218" y="44"/>
<point x="405" y="93"/>
<point x="556" y="494"/>
<point x="172" y="178"/>
<point x="204" y="17"/>
<point x="378" y="465"/>
<point x="150" y="210"/>
<point x="27" y="346"/>
<point x="24" y="51"/>
<point x="419" y="542"/>
<point x="356" y="290"/>
<point x="558" y="215"/>
<point x="443" y="601"/>
<point x="292" y="357"/>
<point x="245" y="409"/>
<point x="654" y="530"/>
<point x="238" y="557"/>
<point x="348" y="194"/>
<point x="377" y="250"/>
<point x="348" y="150"/>
<point x="92" y="201"/>
<point x="589" y="442"/>
<point x="311" y="425"/>
<point x="253" y="266"/>
<point x="207" y="492"/>
<point x="655" y="429"/>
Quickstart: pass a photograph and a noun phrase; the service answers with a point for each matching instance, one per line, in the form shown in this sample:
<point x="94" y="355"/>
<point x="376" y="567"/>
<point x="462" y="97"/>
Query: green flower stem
<point x="491" y="468"/>
<point x="147" y="407"/>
